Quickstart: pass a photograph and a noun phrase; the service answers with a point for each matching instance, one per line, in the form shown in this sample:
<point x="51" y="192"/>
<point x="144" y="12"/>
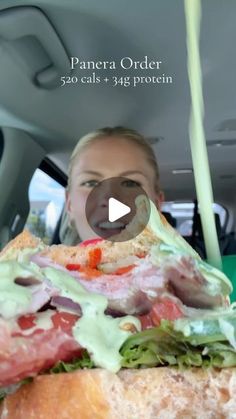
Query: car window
<point x="183" y="214"/>
<point x="46" y="201"/>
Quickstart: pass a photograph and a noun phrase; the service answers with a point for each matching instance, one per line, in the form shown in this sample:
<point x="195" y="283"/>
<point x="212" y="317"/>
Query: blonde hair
<point x="127" y="133"/>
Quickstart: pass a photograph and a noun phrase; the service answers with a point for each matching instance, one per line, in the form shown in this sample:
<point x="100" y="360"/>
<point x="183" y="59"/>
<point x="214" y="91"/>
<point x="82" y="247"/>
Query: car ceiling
<point x="110" y="30"/>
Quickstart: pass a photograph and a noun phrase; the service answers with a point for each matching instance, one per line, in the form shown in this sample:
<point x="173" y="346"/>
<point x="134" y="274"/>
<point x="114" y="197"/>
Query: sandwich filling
<point x="162" y="306"/>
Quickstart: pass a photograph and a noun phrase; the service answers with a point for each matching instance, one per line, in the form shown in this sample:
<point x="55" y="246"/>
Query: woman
<point x="104" y="154"/>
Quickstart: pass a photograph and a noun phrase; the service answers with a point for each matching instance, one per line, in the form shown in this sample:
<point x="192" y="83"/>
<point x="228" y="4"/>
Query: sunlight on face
<point x="104" y="159"/>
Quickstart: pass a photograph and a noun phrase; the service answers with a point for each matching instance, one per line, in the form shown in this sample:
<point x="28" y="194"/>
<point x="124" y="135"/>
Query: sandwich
<point x="111" y="329"/>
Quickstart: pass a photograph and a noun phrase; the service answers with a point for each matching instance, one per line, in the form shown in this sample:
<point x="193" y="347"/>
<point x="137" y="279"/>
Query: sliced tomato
<point x="146" y="321"/>
<point x="73" y="266"/>
<point x="63" y="320"/>
<point x="26" y="322"/>
<point x="163" y="309"/>
<point x="59" y="320"/>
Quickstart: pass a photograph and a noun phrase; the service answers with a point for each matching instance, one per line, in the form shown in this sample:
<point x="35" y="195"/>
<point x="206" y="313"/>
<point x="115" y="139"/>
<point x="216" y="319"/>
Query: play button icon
<point x="117" y="209"/>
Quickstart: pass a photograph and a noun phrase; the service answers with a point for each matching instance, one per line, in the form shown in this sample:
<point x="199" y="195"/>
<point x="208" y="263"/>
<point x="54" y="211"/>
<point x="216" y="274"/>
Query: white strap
<point x="196" y="132"/>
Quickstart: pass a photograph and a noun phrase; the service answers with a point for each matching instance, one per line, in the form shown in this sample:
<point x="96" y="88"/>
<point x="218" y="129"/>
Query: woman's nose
<point x="106" y="191"/>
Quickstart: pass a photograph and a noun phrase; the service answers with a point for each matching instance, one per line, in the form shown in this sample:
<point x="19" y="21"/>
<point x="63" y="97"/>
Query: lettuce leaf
<point x="77" y="363"/>
<point x="4" y="391"/>
<point x="2" y="394"/>
<point x="200" y="342"/>
<point x="164" y="345"/>
<point x="213" y="328"/>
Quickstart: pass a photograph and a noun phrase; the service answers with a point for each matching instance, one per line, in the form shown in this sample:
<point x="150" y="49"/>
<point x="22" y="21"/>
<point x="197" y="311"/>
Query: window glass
<point x="46" y="201"/>
<point x="183" y="213"/>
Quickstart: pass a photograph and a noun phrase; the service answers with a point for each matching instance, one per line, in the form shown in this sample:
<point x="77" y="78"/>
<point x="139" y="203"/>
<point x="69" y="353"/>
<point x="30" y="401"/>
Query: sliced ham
<point x="130" y="293"/>
<point x="41" y="295"/>
<point x="25" y="356"/>
<point x="41" y="292"/>
<point x="43" y="261"/>
<point x="189" y="285"/>
<point x="134" y="292"/>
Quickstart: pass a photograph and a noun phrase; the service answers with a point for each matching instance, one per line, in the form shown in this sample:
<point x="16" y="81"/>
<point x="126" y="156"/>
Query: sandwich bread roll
<point x="152" y="393"/>
<point x="135" y="391"/>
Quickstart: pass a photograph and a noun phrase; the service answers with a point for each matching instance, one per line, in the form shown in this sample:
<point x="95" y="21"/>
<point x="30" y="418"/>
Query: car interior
<point x="47" y="104"/>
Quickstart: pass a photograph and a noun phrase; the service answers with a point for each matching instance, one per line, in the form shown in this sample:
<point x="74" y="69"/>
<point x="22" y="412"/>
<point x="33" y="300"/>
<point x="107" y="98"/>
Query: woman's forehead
<point x="112" y="152"/>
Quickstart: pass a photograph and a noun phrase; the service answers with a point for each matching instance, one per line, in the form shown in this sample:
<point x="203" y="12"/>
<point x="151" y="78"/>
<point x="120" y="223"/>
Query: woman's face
<point x="103" y="159"/>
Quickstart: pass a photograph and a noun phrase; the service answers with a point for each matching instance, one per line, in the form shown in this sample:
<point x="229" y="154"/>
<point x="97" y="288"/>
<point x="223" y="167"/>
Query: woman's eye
<point x="131" y="183"/>
<point x="90" y="183"/>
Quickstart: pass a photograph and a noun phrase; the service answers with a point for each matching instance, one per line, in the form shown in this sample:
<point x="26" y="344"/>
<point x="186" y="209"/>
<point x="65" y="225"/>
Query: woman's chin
<point x="107" y="233"/>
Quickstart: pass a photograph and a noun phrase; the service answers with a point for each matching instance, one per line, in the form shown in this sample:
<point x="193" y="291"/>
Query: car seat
<point x="227" y="242"/>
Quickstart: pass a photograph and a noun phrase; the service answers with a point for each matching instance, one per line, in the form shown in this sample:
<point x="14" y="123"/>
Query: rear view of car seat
<point x="227" y="242"/>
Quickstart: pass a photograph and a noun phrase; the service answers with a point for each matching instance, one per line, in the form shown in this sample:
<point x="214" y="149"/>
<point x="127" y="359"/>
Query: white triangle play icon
<point x="116" y="209"/>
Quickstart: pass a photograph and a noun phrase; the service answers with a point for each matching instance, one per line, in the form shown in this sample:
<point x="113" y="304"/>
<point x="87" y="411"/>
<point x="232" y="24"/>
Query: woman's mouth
<point x="107" y="229"/>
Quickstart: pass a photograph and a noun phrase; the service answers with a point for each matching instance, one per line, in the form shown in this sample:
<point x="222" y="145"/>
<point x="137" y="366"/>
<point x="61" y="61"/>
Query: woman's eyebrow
<point x="90" y="172"/>
<point x="132" y="172"/>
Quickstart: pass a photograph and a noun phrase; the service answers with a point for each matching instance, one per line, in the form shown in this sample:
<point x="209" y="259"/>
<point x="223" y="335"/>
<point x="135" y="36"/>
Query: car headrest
<point x="198" y="227"/>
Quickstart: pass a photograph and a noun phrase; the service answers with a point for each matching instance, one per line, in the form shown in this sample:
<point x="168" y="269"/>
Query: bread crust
<point x="164" y="393"/>
<point x="22" y="241"/>
<point x="111" y="251"/>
